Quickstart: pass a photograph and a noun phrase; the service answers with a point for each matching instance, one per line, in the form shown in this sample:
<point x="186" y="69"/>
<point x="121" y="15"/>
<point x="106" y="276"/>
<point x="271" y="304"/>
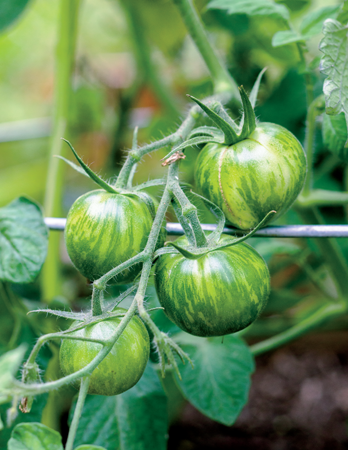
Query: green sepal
<point x="73" y="165"/>
<point x="150" y="183"/>
<point x="164" y="251"/>
<point x="92" y="175"/>
<point x="206" y="131"/>
<point x="230" y="135"/>
<point x="195" y="253"/>
<point x="59" y="313"/>
<point x="248" y="121"/>
<point x="255" y="89"/>
<point x="195" y="141"/>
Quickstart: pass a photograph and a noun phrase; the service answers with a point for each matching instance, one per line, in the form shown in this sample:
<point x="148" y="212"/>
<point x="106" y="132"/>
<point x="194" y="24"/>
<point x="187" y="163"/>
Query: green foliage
<point x="29" y="436"/>
<point x="10" y="11"/>
<point x="23" y="241"/>
<point x="335" y="48"/>
<point x="335" y="135"/>
<point x="134" y="420"/>
<point x="252" y="8"/>
<point x="218" y="385"/>
<point x="9" y="365"/>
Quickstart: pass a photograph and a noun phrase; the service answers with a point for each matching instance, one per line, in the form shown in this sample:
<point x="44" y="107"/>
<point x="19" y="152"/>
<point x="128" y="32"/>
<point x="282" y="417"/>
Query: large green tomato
<point x="219" y="293"/>
<point x="104" y="230"/>
<point x="249" y="179"/>
<point x="121" y="368"/>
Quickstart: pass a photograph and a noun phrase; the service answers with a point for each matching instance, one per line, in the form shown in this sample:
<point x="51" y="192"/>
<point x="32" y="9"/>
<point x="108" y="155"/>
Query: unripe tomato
<point x="121" y="369"/>
<point x="259" y="174"/>
<point x="219" y="293"/>
<point x="104" y="230"/>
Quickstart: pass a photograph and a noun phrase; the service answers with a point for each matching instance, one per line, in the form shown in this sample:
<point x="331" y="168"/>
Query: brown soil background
<point x="298" y="401"/>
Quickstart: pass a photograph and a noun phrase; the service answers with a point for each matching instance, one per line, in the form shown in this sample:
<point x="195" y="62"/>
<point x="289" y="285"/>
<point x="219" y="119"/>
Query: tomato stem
<point x="318" y="317"/>
<point x="142" y="53"/>
<point x="329" y="248"/>
<point x="222" y="80"/>
<point x="316" y="108"/>
<point x="67" y="31"/>
<point x="77" y="413"/>
<point x="134" y="156"/>
<point x="97" y="302"/>
<point x="189" y="211"/>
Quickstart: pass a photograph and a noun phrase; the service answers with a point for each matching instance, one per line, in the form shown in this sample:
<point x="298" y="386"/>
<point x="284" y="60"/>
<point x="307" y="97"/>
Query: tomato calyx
<point x="191" y="252"/>
<point x="226" y="131"/>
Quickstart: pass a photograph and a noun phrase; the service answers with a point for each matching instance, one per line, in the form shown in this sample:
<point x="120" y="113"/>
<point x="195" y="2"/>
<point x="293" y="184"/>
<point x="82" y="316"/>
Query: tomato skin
<point x="121" y="369"/>
<point x="220" y="293"/>
<point x="104" y="230"/>
<point x="249" y="179"/>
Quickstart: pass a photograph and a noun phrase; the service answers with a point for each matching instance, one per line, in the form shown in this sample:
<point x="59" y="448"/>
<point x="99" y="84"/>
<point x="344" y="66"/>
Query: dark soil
<point x="298" y="401"/>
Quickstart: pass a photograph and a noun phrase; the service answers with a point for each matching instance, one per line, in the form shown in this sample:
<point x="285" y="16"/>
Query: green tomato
<point x="219" y="293"/>
<point x="121" y="369"/>
<point x="249" y="179"/>
<point x="104" y="230"/>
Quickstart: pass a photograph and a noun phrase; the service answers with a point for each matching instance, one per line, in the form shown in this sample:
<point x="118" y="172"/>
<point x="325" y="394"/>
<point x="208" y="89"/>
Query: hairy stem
<point x="189" y="211"/>
<point x="40" y="388"/>
<point x="97" y="302"/>
<point x="221" y="78"/>
<point x="77" y="413"/>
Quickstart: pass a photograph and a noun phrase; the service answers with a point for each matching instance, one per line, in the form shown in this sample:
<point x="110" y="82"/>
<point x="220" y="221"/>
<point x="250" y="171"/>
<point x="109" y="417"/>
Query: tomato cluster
<point x="219" y="291"/>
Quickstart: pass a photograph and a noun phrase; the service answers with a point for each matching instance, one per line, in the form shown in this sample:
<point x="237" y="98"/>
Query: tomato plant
<point x="250" y="167"/>
<point x="105" y="229"/>
<point x="217" y="294"/>
<point x="122" y="367"/>
<point x="263" y="172"/>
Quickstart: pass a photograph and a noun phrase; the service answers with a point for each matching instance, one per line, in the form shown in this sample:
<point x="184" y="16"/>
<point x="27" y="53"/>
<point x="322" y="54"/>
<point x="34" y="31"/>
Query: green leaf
<point x="334" y="65"/>
<point x="23" y="241"/>
<point x="286" y="37"/>
<point x="252" y="8"/>
<point x="343" y="14"/>
<point x="218" y="385"/>
<point x="312" y="23"/>
<point x="10" y="11"/>
<point x="34" y="436"/>
<point x="9" y="365"/>
<point x="335" y="135"/>
<point x="134" y="420"/>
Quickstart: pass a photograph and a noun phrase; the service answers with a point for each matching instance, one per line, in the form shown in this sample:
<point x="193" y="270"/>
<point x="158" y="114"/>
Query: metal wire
<point x="288" y="231"/>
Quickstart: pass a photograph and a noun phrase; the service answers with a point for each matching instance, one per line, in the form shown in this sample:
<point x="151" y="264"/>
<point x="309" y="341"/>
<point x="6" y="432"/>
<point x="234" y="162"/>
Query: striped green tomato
<point x="219" y="293"/>
<point x="121" y="369"/>
<point x="249" y="179"/>
<point x="104" y="230"/>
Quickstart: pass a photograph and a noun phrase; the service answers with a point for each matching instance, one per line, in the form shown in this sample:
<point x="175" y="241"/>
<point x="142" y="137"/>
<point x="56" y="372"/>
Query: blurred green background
<point x="112" y="92"/>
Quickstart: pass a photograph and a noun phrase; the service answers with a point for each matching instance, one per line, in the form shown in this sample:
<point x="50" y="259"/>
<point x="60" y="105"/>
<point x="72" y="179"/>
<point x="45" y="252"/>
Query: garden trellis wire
<point x="286" y="231"/>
